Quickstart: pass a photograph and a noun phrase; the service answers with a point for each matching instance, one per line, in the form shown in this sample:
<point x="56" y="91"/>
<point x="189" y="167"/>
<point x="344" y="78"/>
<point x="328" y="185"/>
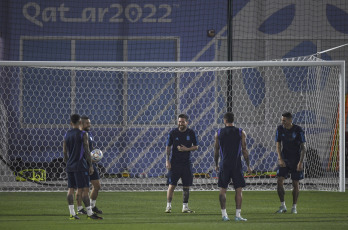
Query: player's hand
<point x="249" y="170"/>
<point x="299" y="166"/>
<point x="91" y="170"/>
<point x="281" y="163"/>
<point x="182" y="148"/>
<point x="168" y="164"/>
<point x="217" y="168"/>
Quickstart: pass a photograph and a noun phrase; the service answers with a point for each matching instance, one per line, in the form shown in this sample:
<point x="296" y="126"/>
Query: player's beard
<point x="182" y="127"/>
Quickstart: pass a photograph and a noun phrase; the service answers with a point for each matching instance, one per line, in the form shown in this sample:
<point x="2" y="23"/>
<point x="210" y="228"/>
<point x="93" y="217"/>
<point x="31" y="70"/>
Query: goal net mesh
<point x="132" y="110"/>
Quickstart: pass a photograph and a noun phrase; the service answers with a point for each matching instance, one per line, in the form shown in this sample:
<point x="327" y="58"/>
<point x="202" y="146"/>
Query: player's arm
<point x="279" y="151"/>
<point x="245" y="151"/>
<point x="216" y="152"/>
<point x="193" y="147"/>
<point x="281" y="162"/>
<point x="168" y="150"/>
<point x="303" y="153"/>
<point x="168" y="165"/>
<point x="87" y="152"/>
<point x="183" y="148"/>
<point x="65" y="152"/>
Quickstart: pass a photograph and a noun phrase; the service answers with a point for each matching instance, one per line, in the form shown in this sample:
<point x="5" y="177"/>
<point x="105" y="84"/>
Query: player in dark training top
<point x="230" y="144"/>
<point x="78" y="166"/>
<point x="290" y="142"/>
<point x="94" y="178"/>
<point x="181" y="142"/>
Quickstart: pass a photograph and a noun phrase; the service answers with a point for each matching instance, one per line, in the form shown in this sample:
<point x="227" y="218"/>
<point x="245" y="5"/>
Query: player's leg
<point x="95" y="181"/>
<point x="223" y="181"/>
<point x="170" y="193"/>
<point x="282" y="175"/>
<point x="70" y="196"/>
<point x="296" y="176"/>
<point x="172" y="181"/>
<point x="222" y="199"/>
<point x="281" y="194"/>
<point x="186" y="196"/>
<point x="82" y="179"/>
<point x="94" y="194"/>
<point x="80" y="209"/>
<point x="295" y="193"/>
<point x="238" y="199"/>
<point x="239" y="184"/>
<point x="187" y="179"/>
<point x="280" y="189"/>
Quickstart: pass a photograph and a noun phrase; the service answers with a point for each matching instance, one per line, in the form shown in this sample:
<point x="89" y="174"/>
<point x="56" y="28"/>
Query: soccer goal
<point x="134" y="105"/>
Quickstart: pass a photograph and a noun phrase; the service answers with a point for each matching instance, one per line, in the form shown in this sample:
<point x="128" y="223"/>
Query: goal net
<point x="133" y="106"/>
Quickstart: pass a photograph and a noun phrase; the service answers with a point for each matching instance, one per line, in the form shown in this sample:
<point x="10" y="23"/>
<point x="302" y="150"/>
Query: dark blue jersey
<point x="74" y="145"/>
<point x="91" y="144"/>
<point x="291" y="140"/>
<point x="177" y="138"/>
<point x="230" y="142"/>
<point x="90" y="141"/>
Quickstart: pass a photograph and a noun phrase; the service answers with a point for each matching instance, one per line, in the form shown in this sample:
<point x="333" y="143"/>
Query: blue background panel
<point x="156" y="50"/>
<point x="99" y="50"/>
<point x="46" y="50"/>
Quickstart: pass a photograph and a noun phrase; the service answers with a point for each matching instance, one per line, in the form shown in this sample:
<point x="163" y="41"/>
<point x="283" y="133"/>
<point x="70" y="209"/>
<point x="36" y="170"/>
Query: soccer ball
<point x="96" y="155"/>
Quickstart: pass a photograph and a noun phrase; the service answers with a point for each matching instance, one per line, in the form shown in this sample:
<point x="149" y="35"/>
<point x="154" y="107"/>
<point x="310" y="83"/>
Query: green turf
<point x="145" y="210"/>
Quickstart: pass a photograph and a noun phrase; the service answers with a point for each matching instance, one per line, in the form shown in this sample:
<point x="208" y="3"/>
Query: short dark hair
<point x="75" y="118"/>
<point x="84" y="117"/>
<point x="287" y="115"/>
<point x="183" y="116"/>
<point x="229" y="117"/>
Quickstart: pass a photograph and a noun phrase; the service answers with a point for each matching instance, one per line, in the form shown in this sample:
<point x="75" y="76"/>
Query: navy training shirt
<point x="230" y="142"/>
<point x="91" y="144"/>
<point x="74" y="144"/>
<point x="291" y="140"/>
<point x="90" y="141"/>
<point x="177" y="138"/>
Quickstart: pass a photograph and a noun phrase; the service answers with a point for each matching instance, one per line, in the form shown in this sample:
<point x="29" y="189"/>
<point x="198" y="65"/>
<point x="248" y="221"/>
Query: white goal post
<point x="134" y="105"/>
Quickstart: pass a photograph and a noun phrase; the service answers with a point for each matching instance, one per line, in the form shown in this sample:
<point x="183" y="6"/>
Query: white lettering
<point x="62" y="11"/>
<point x="116" y="17"/>
<point x="101" y="13"/>
<point x="150" y="17"/>
<point x="133" y="15"/>
<point x="89" y="14"/>
<point x="165" y="18"/>
<point x="49" y="13"/>
<point x="32" y="18"/>
<point x="115" y="13"/>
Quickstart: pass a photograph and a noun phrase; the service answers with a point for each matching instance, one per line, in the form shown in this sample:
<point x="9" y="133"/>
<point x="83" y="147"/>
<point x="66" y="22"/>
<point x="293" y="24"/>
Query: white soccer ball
<point x="96" y="155"/>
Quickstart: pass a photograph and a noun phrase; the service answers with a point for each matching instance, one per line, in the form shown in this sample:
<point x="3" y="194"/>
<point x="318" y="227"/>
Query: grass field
<point x="145" y="210"/>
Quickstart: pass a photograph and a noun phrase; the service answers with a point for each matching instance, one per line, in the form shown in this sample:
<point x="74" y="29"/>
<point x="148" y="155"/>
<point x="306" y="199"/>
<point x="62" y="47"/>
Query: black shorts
<point x="185" y="173"/>
<point x="95" y="175"/>
<point x="78" y="179"/>
<point x="225" y="177"/>
<point x="284" y="172"/>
